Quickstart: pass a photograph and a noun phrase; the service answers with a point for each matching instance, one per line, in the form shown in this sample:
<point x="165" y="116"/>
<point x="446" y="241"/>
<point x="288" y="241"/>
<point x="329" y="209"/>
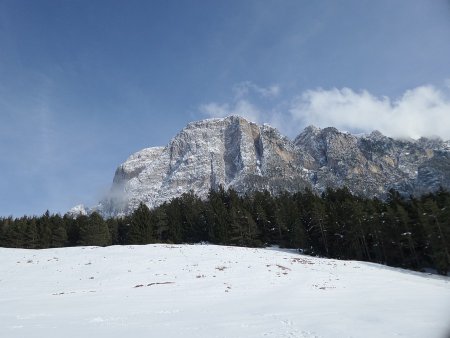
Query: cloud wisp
<point x="242" y="103"/>
<point x="245" y="88"/>
<point x="421" y="111"/>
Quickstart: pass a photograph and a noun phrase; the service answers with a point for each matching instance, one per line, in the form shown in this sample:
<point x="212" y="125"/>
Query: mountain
<point x="234" y="152"/>
<point x="372" y="164"/>
<point x="231" y="152"/>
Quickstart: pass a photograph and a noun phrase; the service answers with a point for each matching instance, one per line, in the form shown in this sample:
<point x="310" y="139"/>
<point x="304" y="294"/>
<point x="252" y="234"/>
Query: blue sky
<point x="83" y="84"/>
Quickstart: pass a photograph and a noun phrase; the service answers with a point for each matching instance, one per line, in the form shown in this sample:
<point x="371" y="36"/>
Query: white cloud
<point x="422" y="111"/>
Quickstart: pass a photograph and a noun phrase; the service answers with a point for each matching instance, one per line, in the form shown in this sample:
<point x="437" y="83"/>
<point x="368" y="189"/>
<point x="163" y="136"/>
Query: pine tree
<point x="113" y="227"/>
<point x="193" y="222"/>
<point x="317" y="223"/>
<point x="393" y="242"/>
<point x="407" y="236"/>
<point x="373" y="210"/>
<point x="2" y="232"/>
<point x="73" y="230"/>
<point x="123" y="228"/>
<point x="44" y="230"/>
<point x="235" y="231"/>
<point x="217" y="215"/>
<point x="93" y="230"/>
<point x="175" y="221"/>
<point x="161" y="224"/>
<point x="437" y="227"/>
<point x="250" y="231"/>
<point x="58" y="232"/>
<point x="14" y="234"/>
<point x="141" y="226"/>
<point x="30" y="235"/>
<point x="260" y="217"/>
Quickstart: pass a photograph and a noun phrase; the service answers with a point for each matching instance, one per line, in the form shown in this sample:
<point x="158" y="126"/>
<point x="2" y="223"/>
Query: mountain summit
<point x="242" y="155"/>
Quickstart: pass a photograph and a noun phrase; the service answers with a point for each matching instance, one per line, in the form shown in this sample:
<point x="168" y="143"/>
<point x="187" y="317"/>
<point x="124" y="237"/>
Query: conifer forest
<point x="412" y="233"/>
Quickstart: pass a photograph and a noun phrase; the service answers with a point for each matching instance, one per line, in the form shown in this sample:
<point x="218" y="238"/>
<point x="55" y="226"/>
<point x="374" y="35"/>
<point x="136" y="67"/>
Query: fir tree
<point x="93" y="230"/>
<point x="141" y="226"/>
<point x="44" y="230"/>
<point x="217" y="216"/>
<point x="58" y="232"/>
<point x="31" y="238"/>
<point x="161" y="224"/>
<point x="437" y="228"/>
<point x="113" y="227"/>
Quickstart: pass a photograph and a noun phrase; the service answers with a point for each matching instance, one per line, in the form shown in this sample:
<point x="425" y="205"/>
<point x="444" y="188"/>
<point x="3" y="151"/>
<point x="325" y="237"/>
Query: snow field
<point x="212" y="291"/>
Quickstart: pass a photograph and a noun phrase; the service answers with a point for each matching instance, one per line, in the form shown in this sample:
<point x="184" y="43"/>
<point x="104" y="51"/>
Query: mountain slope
<point x="212" y="291"/>
<point x="234" y="152"/>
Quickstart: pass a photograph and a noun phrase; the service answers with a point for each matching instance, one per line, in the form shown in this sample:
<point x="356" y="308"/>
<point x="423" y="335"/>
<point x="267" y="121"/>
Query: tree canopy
<point x="413" y="233"/>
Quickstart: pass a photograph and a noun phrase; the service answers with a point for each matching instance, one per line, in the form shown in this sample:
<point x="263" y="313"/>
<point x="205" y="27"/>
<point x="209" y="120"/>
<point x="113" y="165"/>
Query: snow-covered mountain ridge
<point x="234" y="152"/>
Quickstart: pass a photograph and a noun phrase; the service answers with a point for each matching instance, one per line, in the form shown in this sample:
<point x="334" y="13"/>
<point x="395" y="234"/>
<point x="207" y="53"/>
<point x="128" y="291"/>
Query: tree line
<point x="412" y="233"/>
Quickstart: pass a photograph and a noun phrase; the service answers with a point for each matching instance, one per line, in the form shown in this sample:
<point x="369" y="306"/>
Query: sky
<point x="84" y="84"/>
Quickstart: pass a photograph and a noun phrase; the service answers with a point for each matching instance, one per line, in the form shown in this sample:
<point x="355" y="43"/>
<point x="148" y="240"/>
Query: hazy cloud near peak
<point x="421" y="111"/>
<point x="241" y="104"/>
<point x="243" y="108"/>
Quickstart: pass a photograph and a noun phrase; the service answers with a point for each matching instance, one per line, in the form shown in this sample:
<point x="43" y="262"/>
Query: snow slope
<point x="212" y="291"/>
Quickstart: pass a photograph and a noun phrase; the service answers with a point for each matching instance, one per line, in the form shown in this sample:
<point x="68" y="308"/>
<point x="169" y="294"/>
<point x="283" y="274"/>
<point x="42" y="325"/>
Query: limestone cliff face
<point x="234" y="152"/>
<point x="231" y="152"/>
<point x="370" y="165"/>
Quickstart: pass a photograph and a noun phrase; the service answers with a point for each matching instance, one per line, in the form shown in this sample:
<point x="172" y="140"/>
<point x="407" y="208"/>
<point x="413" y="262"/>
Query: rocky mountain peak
<point x="245" y="156"/>
<point x="311" y="129"/>
<point x="377" y="135"/>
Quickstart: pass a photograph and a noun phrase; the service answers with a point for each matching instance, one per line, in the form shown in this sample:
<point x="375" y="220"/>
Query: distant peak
<point x="237" y="118"/>
<point x="213" y="120"/>
<point x="431" y="138"/>
<point x="78" y="210"/>
<point x="312" y="128"/>
<point x="332" y="130"/>
<point x="376" y="134"/>
<point x="234" y="117"/>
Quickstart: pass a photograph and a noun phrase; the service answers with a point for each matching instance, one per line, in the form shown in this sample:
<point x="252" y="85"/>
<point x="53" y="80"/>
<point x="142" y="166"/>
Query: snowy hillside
<point x="212" y="291"/>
